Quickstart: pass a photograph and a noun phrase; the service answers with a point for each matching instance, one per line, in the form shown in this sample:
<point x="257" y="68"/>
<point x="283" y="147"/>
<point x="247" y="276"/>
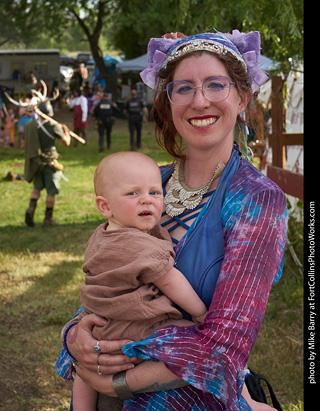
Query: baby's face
<point x="135" y="197"/>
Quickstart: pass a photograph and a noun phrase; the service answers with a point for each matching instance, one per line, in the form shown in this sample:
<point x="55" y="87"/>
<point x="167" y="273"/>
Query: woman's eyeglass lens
<point x="215" y="89"/>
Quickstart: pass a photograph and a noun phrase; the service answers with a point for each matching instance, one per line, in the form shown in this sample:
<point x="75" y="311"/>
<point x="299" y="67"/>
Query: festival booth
<point x="136" y="64"/>
<point x="282" y="159"/>
<point x="294" y="116"/>
<point x="129" y="71"/>
<point x="20" y="70"/>
<point x="94" y="74"/>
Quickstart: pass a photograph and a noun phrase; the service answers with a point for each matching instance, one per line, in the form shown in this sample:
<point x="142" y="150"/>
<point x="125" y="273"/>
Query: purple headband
<point x="244" y="46"/>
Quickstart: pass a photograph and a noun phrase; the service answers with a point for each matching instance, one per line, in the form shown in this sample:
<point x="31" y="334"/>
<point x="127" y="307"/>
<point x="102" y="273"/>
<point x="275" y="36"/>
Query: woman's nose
<point x="199" y="99"/>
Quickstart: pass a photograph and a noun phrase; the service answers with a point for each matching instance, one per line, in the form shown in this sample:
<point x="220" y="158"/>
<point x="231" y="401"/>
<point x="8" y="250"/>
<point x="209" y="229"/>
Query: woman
<point x="229" y="230"/>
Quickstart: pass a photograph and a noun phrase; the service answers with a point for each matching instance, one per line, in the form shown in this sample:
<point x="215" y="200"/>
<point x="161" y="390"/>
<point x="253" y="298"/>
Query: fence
<point x="290" y="182"/>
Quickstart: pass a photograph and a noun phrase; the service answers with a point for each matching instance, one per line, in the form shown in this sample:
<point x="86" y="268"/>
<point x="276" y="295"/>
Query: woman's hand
<point x="176" y="35"/>
<point x="100" y="383"/>
<point x="81" y="345"/>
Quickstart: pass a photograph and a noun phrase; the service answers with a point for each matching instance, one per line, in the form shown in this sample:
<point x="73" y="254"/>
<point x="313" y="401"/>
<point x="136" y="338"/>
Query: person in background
<point x="25" y="115"/>
<point x="84" y="72"/>
<point x="41" y="166"/>
<point x="104" y="113"/>
<point x="136" y="111"/>
<point x="97" y="95"/>
<point x="87" y="92"/>
<point x="79" y="104"/>
<point x="9" y="126"/>
<point x="2" y="136"/>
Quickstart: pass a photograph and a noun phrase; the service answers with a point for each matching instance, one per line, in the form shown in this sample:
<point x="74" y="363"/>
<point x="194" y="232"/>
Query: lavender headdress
<point x="244" y="46"/>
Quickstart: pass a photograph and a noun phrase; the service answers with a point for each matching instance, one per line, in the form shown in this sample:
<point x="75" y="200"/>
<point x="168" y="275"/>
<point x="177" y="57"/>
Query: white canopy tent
<point x="137" y="64"/>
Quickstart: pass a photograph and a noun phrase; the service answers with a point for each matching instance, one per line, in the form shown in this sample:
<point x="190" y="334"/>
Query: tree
<point x="91" y="16"/>
<point x="17" y="20"/>
<point x="131" y="23"/>
<point x="280" y="23"/>
<point x="26" y="20"/>
<point x="94" y="12"/>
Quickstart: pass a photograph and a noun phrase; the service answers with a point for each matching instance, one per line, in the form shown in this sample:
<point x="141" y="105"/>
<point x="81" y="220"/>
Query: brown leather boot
<point x="47" y="222"/>
<point x="30" y="212"/>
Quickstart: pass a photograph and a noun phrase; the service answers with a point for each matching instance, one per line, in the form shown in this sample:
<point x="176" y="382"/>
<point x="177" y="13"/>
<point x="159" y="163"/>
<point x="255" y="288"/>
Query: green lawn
<point x="41" y="268"/>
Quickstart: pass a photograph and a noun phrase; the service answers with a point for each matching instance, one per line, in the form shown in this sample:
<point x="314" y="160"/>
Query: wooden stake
<point x="51" y="120"/>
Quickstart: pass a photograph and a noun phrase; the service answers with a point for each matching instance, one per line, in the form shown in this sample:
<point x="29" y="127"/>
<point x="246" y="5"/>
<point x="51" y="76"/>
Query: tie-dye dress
<point x="212" y="356"/>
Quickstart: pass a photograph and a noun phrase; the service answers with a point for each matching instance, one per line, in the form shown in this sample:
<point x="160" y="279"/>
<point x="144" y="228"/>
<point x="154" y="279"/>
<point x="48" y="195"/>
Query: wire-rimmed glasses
<point x="215" y="89"/>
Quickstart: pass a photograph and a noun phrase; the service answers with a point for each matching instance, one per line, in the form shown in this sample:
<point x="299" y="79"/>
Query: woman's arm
<point x="78" y="348"/>
<point x="145" y="377"/>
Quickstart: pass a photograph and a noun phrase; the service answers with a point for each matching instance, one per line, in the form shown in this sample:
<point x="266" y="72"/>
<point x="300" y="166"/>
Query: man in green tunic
<point x="41" y="165"/>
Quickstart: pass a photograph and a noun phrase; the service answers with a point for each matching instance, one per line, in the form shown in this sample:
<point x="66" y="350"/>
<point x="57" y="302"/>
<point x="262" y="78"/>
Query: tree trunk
<point x="93" y="38"/>
<point x="110" y="79"/>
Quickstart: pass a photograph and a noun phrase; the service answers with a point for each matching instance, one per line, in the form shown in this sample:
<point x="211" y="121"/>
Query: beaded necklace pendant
<point x="180" y="196"/>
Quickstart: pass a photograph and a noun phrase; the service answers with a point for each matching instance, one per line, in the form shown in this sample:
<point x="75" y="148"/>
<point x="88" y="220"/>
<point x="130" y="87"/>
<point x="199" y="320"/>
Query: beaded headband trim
<point x="243" y="46"/>
<point x="218" y="46"/>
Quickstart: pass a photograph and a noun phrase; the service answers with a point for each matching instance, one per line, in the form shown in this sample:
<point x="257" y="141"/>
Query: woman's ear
<point x="244" y="100"/>
<point x="103" y="206"/>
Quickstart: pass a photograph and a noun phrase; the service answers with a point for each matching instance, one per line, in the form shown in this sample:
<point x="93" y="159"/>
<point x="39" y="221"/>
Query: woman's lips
<point x="203" y="122"/>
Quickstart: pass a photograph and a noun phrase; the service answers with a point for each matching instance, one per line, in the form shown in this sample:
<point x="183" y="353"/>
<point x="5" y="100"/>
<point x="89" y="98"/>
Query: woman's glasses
<point x="215" y="89"/>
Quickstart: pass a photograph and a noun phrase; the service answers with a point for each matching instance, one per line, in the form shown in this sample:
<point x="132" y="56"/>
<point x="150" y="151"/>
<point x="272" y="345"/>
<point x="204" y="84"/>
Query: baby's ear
<point x="103" y="206"/>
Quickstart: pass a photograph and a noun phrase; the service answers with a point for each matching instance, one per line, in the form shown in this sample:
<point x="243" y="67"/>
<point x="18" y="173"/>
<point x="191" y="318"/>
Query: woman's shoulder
<point x="253" y="197"/>
<point x="250" y="181"/>
<point x="166" y="171"/>
<point x="250" y="189"/>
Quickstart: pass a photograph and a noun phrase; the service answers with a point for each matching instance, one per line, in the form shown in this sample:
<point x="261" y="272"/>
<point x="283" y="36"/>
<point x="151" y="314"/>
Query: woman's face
<point x="206" y="125"/>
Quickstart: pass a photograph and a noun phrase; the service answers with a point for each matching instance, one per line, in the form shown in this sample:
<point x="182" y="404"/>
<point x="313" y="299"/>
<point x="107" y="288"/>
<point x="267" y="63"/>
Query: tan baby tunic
<point x="120" y="267"/>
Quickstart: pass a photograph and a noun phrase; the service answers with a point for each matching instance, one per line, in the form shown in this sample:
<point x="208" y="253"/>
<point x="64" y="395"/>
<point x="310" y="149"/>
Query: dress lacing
<point x="183" y="218"/>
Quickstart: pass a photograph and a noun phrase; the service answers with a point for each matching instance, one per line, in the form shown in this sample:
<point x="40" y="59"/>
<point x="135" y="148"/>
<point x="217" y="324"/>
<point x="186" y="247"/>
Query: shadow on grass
<point x="41" y="270"/>
<point x="69" y="238"/>
<point x="30" y="328"/>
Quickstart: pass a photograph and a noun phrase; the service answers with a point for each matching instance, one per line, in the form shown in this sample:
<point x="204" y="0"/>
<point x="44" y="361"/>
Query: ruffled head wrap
<point x="243" y="46"/>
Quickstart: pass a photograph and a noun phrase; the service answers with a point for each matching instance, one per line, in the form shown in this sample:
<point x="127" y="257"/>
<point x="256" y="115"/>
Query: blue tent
<point x="110" y="62"/>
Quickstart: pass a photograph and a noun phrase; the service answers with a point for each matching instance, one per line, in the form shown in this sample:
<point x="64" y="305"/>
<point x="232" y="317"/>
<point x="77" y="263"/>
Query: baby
<point x="129" y="261"/>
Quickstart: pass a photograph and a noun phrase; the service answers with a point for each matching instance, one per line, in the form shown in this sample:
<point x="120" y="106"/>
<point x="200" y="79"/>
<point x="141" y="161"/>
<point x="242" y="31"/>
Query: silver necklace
<point x="180" y="196"/>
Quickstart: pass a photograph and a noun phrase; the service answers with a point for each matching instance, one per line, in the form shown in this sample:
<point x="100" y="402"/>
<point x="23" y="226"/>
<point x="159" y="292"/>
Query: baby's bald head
<point x="114" y="168"/>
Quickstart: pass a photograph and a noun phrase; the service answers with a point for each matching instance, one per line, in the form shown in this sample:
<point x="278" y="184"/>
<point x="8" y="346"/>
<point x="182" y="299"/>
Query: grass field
<point x="40" y="269"/>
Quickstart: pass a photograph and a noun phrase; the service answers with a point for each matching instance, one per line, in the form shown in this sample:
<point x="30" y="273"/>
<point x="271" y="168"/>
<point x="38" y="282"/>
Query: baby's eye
<point x="132" y="193"/>
<point x="155" y="193"/>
